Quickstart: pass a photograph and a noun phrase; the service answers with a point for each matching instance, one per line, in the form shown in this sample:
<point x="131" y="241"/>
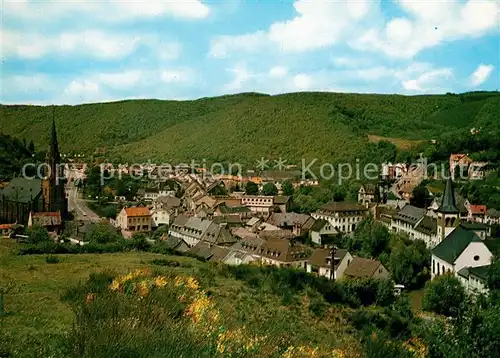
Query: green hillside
<point x="332" y="127"/>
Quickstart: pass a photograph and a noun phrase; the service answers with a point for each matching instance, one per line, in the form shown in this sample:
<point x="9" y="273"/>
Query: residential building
<point x="209" y="252"/>
<point x="343" y="216"/>
<point x="320" y="262"/>
<point x="52" y="221"/>
<point x="492" y="217"/>
<point x="366" y="193"/>
<point x="460" y="161"/>
<point x="298" y="224"/>
<point x="366" y="268"/>
<point x="282" y="202"/>
<point x="134" y="219"/>
<point x="165" y="208"/>
<point x="193" y="230"/>
<point x="258" y="204"/>
<point x="460" y="202"/>
<point x="477" y="170"/>
<point x="461" y="248"/>
<point x="474" y="279"/>
<point x="406" y="220"/>
<point x="282" y="253"/>
<point x="320" y="230"/>
<point x="476" y="213"/>
<point x="239" y="211"/>
<point x="246" y="250"/>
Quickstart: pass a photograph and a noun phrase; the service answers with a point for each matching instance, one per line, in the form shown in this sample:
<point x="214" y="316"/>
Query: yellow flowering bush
<point x="204" y="318"/>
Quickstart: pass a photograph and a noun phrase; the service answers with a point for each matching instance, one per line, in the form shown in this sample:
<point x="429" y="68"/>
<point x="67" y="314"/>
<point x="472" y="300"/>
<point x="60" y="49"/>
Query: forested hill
<point x="329" y="126"/>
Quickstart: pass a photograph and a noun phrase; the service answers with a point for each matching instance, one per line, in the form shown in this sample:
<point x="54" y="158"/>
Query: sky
<point x="72" y="52"/>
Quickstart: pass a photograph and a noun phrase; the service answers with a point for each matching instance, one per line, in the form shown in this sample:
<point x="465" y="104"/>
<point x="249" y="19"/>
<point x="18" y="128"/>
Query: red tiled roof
<point x="137" y="211"/>
<point x="47" y="213"/>
<point x="6" y="226"/>
<point x="478" y="209"/>
<point x="458" y="157"/>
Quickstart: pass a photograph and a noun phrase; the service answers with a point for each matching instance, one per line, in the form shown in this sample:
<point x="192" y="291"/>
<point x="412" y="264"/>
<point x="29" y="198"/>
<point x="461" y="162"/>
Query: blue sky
<point x="70" y="52"/>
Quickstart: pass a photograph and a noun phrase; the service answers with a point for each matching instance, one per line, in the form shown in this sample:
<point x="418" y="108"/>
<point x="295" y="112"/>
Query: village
<point x="253" y="223"/>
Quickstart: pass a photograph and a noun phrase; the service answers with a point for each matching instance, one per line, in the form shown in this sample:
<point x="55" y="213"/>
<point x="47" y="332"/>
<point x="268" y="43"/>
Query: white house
<point x="461" y="248"/>
<point x="320" y="229"/>
<point x="320" y="262"/>
<point x="193" y="230"/>
<point x="342" y="216"/>
<point x="258" y="204"/>
<point x="165" y="208"/>
<point x="416" y="224"/>
<point x="474" y="279"/>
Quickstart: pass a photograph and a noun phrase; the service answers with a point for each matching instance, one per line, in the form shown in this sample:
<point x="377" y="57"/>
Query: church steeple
<point x="54" y="195"/>
<point x="448" y="204"/>
<point x="53" y="153"/>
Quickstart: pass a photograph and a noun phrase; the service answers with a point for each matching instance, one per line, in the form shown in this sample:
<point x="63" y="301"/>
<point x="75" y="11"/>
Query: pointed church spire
<point x="448" y="204"/>
<point x="54" y="148"/>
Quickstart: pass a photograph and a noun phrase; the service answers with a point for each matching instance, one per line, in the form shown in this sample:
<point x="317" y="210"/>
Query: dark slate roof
<point x="22" y="190"/>
<point x="480" y="272"/>
<point x="369" y="188"/>
<point x="362" y="268"/>
<point x="448" y="204"/>
<point x="454" y="244"/>
<point x="428" y="226"/>
<point x="281" y="199"/>
<point x="282" y="250"/>
<point x="225" y="209"/>
<point x="177" y="244"/>
<point x="474" y="226"/>
<point x="342" y="206"/>
<point x="410" y="214"/>
<point x="290" y="219"/>
<point x="318" y="225"/>
<point x="319" y="257"/>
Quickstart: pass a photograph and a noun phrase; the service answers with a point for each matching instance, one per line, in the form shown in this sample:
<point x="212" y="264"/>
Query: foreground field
<point x="37" y="320"/>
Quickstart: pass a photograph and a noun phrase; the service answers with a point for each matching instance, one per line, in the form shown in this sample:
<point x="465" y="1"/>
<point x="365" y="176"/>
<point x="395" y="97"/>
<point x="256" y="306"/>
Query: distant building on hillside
<point x="343" y="216"/>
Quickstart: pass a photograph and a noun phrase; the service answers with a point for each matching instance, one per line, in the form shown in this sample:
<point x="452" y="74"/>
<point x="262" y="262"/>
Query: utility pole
<point x="332" y="271"/>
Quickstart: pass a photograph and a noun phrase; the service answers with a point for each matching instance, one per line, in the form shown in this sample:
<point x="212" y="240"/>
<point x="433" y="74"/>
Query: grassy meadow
<point x="48" y="313"/>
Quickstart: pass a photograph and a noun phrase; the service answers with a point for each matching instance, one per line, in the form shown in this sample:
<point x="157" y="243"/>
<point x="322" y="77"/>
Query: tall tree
<point x="287" y="187"/>
<point x="269" y="189"/>
<point x="251" y="188"/>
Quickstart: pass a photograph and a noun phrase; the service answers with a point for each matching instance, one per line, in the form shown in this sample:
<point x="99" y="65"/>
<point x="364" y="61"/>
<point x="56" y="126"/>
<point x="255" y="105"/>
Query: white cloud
<point x="120" y="80"/>
<point x="278" y="72"/>
<point x="316" y="25"/>
<point x="93" y="43"/>
<point x="108" y="11"/>
<point x="303" y="81"/>
<point x="89" y="43"/>
<point x="241" y="76"/>
<point x="176" y="76"/>
<point x="428" y="81"/>
<point x="82" y="90"/>
<point x="222" y="46"/>
<point x="169" y="51"/>
<point x="429" y="24"/>
<point x="481" y="74"/>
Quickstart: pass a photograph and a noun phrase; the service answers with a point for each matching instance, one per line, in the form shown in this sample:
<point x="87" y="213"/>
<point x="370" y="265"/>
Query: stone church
<point x="46" y="194"/>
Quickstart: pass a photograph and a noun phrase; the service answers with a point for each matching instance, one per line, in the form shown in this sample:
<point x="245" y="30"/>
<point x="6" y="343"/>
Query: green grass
<point x="332" y="127"/>
<point x="37" y="319"/>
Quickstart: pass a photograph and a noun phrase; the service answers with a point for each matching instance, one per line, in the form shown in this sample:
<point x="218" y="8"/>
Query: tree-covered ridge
<point x="329" y="126"/>
<point x="14" y="153"/>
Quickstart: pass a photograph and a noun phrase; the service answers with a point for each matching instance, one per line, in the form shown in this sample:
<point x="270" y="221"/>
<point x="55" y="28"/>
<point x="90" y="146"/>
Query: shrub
<point x="50" y="259"/>
<point x="165" y="262"/>
<point x="37" y="234"/>
<point x="444" y="295"/>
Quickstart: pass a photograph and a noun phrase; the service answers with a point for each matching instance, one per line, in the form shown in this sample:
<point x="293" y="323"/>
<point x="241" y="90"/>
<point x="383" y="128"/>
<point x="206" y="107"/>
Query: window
<point x="433" y="266"/>
<point x="476" y="258"/>
<point x="438" y="268"/>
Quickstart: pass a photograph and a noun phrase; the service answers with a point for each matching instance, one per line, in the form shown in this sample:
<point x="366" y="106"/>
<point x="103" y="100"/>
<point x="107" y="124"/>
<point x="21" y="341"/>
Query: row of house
<point x="462" y="165"/>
